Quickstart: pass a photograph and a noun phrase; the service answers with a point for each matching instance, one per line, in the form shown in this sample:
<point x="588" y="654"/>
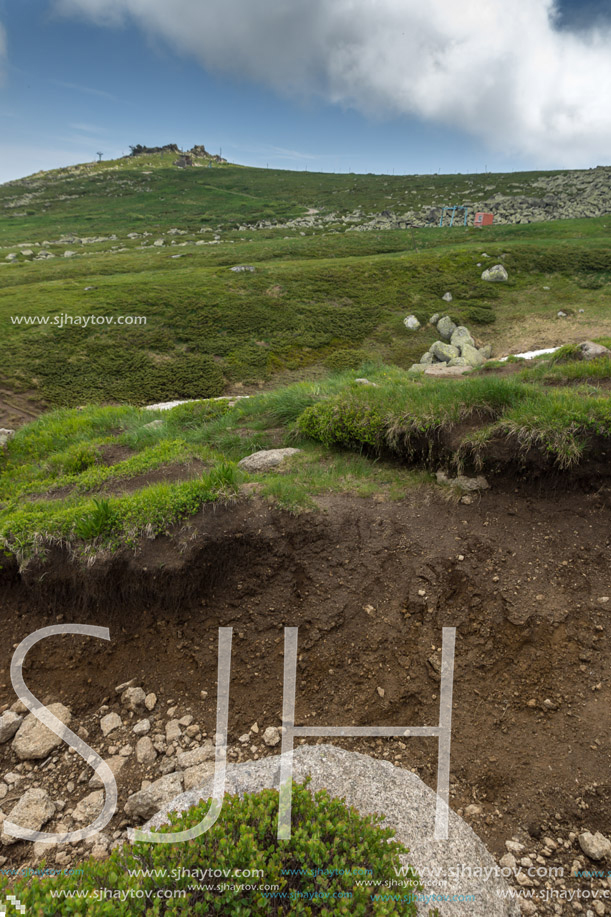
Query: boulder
<point x="496" y="274"/>
<point x="376" y="787"/>
<point x="471" y="355"/>
<point x="145" y="751"/>
<point x="33" y="740"/>
<point x="595" y="846"/>
<point x="265" y="459"/>
<point x="464" y="483"/>
<point x="418" y="368"/>
<point x="9" y="724"/>
<point x="205" y="752"/>
<point x="434" y="318"/>
<point x="411" y="323"/>
<point x="486" y="351"/>
<point x="458" y="361"/>
<point x="145" y="803"/>
<point x="88" y="809"/>
<point x="446" y="327"/>
<point x="447" y="297"/>
<point x="34" y="809"/>
<point x="444" y="352"/>
<point x="461" y="336"/>
<point x="427" y="357"/>
<point x="198" y="774"/>
<point x="5" y="435"/>
<point x="589" y="351"/>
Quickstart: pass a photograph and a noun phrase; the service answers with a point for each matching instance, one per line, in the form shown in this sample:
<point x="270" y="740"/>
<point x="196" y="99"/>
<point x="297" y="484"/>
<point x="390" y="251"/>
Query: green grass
<point x="57" y="488"/>
<point x="316" y="301"/>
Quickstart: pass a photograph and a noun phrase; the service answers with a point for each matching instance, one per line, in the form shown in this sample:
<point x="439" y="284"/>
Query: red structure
<point x="483" y="219"/>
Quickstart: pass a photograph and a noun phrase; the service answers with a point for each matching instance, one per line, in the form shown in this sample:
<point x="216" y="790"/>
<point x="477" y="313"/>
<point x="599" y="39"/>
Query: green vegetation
<point x="326" y="835"/>
<point x="104" y="477"/>
<point x="172" y="321"/>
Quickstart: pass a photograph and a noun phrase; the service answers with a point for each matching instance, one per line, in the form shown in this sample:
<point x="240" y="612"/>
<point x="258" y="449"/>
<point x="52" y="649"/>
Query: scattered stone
<point x="115" y="763"/>
<point x="146" y="802"/>
<point x="9" y="724"/>
<point x="142" y="727"/>
<point x="411" y="323"/>
<point x="110" y="722"/>
<point x="196" y="775"/>
<point x="33" y="740"/>
<point x="434" y="318"/>
<point x="123" y="687"/>
<point x="5" y="435"/>
<point x="590" y="350"/>
<point x="366" y="382"/>
<point x="446" y="328"/>
<point x="34" y="809"/>
<point x="486" y="351"/>
<point x="471" y="355"/>
<point x="271" y="736"/>
<point x="173" y="732"/>
<point x="473" y="810"/>
<point x="447" y="297"/>
<point x="133" y="698"/>
<point x="418" y="368"/>
<point x="145" y="751"/>
<point x="462" y="336"/>
<point x="205" y="752"/>
<point x="561" y="314"/>
<point x="265" y="459"/>
<point x="241" y="268"/>
<point x="427" y="358"/>
<point x="88" y="809"/>
<point x="496" y="273"/>
<point x="151" y="699"/>
<point x="595" y="846"/>
<point x="444" y="352"/>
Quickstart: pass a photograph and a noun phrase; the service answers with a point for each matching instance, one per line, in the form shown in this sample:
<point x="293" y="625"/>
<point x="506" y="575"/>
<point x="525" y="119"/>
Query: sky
<point x="401" y="86"/>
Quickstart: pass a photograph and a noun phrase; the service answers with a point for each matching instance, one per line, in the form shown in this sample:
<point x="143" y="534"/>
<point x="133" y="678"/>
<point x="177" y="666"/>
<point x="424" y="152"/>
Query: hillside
<point x="143" y="243"/>
<point x="333" y="469"/>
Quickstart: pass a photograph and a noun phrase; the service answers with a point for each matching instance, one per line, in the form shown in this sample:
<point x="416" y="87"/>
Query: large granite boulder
<point x="374" y="786"/>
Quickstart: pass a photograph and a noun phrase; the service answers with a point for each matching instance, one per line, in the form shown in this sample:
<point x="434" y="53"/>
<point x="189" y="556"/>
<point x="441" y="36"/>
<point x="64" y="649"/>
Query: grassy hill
<point x="115" y="280"/>
<point x="116" y="291"/>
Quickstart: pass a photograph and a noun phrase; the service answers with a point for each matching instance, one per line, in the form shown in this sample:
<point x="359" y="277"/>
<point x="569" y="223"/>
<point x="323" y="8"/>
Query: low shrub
<point x="328" y="867"/>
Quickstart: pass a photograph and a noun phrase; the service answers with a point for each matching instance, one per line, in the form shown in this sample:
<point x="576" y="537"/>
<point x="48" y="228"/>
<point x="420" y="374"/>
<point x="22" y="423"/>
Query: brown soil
<point x="19" y="408"/>
<point x="370" y="584"/>
<point x="166" y="474"/>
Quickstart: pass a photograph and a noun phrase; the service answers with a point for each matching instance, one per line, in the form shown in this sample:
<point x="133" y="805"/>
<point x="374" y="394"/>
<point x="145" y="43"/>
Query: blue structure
<point x="453" y="209"/>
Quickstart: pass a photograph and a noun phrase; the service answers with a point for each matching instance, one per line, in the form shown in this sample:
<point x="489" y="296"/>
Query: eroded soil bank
<point x="523" y="576"/>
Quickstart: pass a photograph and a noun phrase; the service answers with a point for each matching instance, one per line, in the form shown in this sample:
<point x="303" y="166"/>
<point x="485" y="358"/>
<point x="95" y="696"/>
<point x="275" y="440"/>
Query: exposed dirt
<point x="166" y="474"/>
<point x="17" y="408"/>
<point x="370" y="585"/>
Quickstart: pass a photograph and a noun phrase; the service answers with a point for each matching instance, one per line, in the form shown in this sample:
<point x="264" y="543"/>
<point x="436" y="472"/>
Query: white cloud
<point x="498" y="69"/>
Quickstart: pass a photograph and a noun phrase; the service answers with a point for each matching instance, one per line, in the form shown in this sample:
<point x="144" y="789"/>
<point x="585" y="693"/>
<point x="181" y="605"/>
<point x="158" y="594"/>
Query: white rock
<point x="9" y="724"/>
<point x="447" y="297"/>
<point x="496" y="273"/>
<point x="34" y="809"/>
<point x="110" y="722"/>
<point x="33" y="740"/>
<point x="595" y="846"/>
<point x="411" y="323"/>
<point x="142" y="727"/>
<point x="172" y="730"/>
<point x="90" y="807"/>
<point x="115" y="763"/>
<point x="205" y="752"/>
<point x="133" y="698"/>
<point x="145" y="751"/>
<point x="265" y="459"/>
<point x="271" y="736"/>
<point x="148" y="801"/>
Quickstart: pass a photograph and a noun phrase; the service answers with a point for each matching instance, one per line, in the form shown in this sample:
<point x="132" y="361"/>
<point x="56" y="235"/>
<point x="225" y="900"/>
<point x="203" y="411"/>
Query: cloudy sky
<point x="329" y="85"/>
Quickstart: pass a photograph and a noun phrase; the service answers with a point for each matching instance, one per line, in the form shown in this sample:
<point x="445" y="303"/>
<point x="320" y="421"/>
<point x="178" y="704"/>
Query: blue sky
<point x="310" y="87"/>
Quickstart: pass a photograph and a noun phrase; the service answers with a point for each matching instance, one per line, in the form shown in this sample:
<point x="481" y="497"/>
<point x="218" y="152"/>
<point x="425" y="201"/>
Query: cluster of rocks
<point x="455" y="347"/>
<point x="154" y="754"/>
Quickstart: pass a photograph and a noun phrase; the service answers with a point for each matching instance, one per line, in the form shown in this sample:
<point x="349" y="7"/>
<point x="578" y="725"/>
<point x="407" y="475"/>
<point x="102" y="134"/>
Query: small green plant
<point x="100" y="521"/>
<point x="328" y="867"/>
